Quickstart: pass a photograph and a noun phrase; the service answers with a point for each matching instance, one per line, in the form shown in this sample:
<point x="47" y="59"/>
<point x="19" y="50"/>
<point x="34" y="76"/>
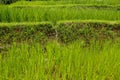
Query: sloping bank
<point x="64" y="31"/>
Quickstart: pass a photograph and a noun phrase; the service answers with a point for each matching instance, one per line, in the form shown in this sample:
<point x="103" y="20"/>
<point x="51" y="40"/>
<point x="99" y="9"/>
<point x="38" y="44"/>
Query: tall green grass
<point x="54" y="61"/>
<point x="9" y="14"/>
<point x="57" y="2"/>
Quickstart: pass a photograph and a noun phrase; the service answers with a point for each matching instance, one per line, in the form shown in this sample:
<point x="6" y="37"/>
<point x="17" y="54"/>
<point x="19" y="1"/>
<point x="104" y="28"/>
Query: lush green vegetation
<point x="8" y="14"/>
<point x="60" y="40"/>
<point x="56" y="2"/>
<point x="64" y="31"/>
<point x="55" y="61"/>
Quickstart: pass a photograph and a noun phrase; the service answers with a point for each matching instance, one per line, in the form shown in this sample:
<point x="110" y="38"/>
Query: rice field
<point x="60" y="40"/>
<point x="54" y="61"/>
<point x="58" y="2"/>
<point x="56" y="14"/>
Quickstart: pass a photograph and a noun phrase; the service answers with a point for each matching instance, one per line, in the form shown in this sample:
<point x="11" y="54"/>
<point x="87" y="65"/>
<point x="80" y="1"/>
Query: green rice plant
<point x="8" y="14"/>
<point x="57" y="2"/>
<point x="98" y="6"/>
<point x="55" y="61"/>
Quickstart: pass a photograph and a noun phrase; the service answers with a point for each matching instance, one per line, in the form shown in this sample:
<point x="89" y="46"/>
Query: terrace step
<point x="62" y="31"/>
<point x="69" y="5"/>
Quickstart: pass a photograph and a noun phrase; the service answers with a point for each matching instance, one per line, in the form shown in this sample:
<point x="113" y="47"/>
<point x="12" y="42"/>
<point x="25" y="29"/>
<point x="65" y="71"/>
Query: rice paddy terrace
<point x="60" y="40"/>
